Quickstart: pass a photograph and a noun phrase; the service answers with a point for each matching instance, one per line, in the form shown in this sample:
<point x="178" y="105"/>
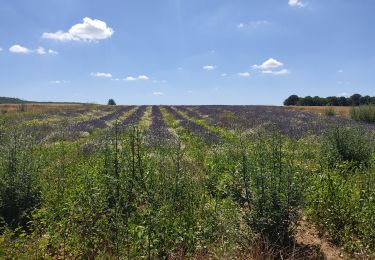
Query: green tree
<point x="291" y="101"/>
<point x="111" y="102"/>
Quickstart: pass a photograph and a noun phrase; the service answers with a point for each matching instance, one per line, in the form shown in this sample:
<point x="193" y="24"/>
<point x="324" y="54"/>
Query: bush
<point x="343" y="144"/>
<point x="330" y="111"/>
<point x="363" y="113"/>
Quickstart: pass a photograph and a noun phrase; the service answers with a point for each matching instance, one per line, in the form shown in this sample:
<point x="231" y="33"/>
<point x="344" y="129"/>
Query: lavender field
<point x="185" y="182"/>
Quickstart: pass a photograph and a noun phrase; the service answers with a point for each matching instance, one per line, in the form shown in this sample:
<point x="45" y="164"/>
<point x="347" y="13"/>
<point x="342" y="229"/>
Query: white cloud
<point x="340" y="71"/>
<point x="1" y="49"/>
<point x="19" y="49"/>
<point x="209" y="67"/>
<point x="59" y="81"/>
<point x="296" y="3"/>
<point x="23" y="50"/>
<point x="157" y="93"/>
<point x="224" y="74"/>
<point x="43" y="51"/>
<point x="55" y="82"/>
<point x="243" y="74"/>
<point x="344" y="94"/>
<point x="101" y="75"/>
<point x="130" y="78"/>
<point x="52" y="52"/>
<point x="269" y="64"/>
<point x="89" y="30"/>
<point x="277" y="72"/>
<point x="253" y="24"/>
<point x="143" y="77"/>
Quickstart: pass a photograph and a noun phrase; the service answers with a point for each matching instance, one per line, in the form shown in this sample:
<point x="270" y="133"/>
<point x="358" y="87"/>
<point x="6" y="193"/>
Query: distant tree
<point x="343" y="101"/>
<point x="318" y="101"/>
<point x="333" y="101"/>
<point x="355" y="99"/>
<point x="111" y="102"/>
<point x="291" y="101"/>
<point x="366" y="100"/>
<point x="308" y="101"/>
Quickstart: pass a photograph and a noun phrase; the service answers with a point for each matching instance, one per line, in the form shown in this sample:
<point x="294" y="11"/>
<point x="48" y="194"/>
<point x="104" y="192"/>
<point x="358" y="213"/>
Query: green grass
<point x="363" y="113"/>
<point x="126" y="198"/>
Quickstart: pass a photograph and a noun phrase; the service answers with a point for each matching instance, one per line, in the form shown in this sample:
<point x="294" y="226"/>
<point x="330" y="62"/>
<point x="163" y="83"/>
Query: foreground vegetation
<point x="168" y="183"/>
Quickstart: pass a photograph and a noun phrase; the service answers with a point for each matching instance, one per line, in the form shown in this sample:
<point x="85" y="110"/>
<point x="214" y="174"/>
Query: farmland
<point x="176" y="182"/>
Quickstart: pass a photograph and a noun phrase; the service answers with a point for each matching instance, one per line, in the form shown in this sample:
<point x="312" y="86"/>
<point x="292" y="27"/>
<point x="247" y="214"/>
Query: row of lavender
<point x="289" y="122"/>
<point x="202" y="132"/>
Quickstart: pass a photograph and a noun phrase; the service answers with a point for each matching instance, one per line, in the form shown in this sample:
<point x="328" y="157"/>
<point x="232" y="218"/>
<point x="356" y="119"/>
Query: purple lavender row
<point x="100" y="123"/>
<point x="66" y="130"/>
<point x="158" y="129"/>
<point x="189" y="112"/>
<point x="134" y="118"/>
<point x="193" y="127"/>
<point x="289" y="122"/>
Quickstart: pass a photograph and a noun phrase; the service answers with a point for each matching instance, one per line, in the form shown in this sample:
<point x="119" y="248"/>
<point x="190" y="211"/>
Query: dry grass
<point x="37" y="107"/>
<point x="342" y="111"/>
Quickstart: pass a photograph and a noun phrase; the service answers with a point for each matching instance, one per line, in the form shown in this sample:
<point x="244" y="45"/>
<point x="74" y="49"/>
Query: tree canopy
<point x="353" y="100"/>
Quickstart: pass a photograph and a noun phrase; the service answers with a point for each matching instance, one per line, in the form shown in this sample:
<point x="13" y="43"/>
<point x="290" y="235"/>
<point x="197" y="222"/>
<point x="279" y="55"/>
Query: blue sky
<point x="186" y="51"/>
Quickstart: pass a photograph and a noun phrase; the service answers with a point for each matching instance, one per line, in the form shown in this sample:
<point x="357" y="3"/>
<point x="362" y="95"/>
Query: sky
<point x="247" y="52"/>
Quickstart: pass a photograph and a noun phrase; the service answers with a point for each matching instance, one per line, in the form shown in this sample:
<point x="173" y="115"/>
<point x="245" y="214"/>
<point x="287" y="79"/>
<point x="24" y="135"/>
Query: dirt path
<point x="307" y="234"/>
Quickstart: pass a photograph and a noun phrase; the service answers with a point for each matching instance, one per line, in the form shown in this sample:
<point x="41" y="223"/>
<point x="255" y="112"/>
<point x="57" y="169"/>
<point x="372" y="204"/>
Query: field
<point x="340" y="110"/>
<point x="176" y="182"/>
<point x="4" y="108"/>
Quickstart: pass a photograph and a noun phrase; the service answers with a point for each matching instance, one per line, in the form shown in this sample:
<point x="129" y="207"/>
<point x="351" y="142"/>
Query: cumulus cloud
<point x="101" y="75"/>
<point x="130" y="78"/>
<point x="209" y="67"/>
<point x="243" y="74"/>
<point x="158" y="93"/>
<point x="269" y="64"/>
<point x="90" y="30"/>
<point x="143" y="77"/>
<point x="296" y="3"/>
<point x="19" y="49"/>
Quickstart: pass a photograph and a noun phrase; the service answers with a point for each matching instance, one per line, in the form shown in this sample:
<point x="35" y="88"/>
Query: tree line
<point x="353" y="100"/>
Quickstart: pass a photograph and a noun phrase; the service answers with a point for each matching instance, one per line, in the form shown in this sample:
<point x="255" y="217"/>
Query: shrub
<point x="363" y="113"/>
<point x="342" y="144"/>
<point x="330" y="111"/>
